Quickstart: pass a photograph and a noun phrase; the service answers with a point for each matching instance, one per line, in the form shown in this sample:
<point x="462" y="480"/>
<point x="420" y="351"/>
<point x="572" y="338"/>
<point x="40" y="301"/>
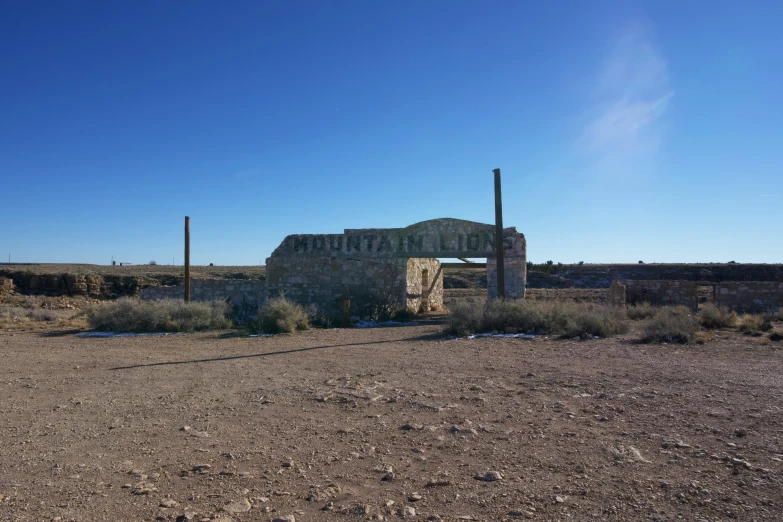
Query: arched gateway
<point x="396" y="262"/>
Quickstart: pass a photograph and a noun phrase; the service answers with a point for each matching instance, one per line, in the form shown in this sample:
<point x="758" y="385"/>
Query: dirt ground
<point x="387" y="423"/>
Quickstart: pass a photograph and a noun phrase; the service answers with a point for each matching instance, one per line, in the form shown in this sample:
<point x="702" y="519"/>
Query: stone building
<point x="393" y="263"/>
<point x="399" y="266"/>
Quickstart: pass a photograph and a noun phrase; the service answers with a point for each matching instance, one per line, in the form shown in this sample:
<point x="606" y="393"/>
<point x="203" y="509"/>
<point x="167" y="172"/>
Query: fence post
<point x="499" y="246"/>
<point x="187" y="259"/>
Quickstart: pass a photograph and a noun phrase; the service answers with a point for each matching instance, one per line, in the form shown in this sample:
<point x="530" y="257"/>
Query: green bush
<point x="671" y="324"/>
<point x="712" y="317"/>
<point x="167" y="315"/>
<point x="560" y="318"/>
<point x="642" y="310"/>
<point x="279" y="315"/>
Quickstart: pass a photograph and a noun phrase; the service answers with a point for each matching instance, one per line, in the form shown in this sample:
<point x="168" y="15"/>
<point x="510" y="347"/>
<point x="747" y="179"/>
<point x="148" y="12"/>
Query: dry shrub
<point x="43" y="314"/>
<point x="712" y="317"/>
<point x="465" y="318"/>
<point x="279" y="315"/>
<point x="642" y="310"/>
<point x="561" y="318"/>
<point x="375" y="305"/>
<point x="671" y="324"/>
<point x="750" y="324"/>
<point x="775" y="336"/>
<point x="167" y="315"/>
<point x="703" y="336"/>
<point x="10" y="314"/>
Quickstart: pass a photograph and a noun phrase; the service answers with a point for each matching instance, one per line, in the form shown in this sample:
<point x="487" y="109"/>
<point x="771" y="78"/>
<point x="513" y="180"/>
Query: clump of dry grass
<point x="14" y="316"/>
<point x="754" y="325"/>
<point x="466" y="318"/>
<point x="565" y="319"/>
<point x="671" y="324"/>
<point x="641" y="311"/>
<point x="167" y="315"/>
<point x="712" y="317"/>
<point x="279" y="315"/>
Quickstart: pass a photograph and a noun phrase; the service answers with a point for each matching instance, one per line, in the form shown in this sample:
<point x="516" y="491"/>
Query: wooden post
<point x="187" y="259"/>
<point x="346" y="309"/>
<point x="499" y="246"/>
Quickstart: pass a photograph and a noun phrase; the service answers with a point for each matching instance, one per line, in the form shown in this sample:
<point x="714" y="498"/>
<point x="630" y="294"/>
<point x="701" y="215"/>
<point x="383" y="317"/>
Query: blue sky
<point x="624" y="130"/>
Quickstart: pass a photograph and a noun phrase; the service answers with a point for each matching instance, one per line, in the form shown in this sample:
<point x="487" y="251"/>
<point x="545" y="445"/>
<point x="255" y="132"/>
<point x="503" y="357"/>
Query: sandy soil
<point x="221" y="428"/>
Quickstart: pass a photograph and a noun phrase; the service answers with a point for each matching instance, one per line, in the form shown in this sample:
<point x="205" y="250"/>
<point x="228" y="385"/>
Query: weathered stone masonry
<point x="662" y="292"/>
<point x="749" y="296"/>
<point x="394" y="264"/>
<point x="318" y="268"/>
<point x="236" y="291"/>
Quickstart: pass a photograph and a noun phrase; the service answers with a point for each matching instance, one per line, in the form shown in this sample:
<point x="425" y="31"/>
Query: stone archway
<point x="317" y="268"/>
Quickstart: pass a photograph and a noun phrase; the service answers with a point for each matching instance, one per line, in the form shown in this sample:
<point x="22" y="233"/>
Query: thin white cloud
<point x="630" y="96"/>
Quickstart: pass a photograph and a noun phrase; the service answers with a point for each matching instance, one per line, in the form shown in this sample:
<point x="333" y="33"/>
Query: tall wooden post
<point x="187" y="259"/>
<point x="499" y="246"/>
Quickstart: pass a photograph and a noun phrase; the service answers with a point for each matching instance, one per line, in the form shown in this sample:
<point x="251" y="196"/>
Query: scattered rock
<point x="741" y="432"/>
<point x="489" y="476"/>
<point x="285" y="518"/>
<point x="238" y="506"/>
<point x="388" y="477"/>
<point x="741" y="463"/>
<point x="412" y="427"/>
<point x="462" y="430"/>
<point x="408" y="512"/>
<point x="168" y="503"/>
<point x="414" y="497"/>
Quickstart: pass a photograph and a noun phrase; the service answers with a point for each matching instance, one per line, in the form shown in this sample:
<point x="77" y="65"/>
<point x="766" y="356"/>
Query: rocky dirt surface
<point x="384" y="424"/>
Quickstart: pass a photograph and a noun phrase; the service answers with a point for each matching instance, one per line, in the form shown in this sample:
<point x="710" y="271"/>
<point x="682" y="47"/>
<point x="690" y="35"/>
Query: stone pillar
<point x="515" y="271"/>
<point x="615" y="296"/>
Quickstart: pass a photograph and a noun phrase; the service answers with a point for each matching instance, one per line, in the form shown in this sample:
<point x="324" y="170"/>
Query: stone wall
<point x="424" y="285"/>
<point x="662" y="293"/>
<point x="515" y="273"/>
<point x="316" y="268"/>
<point x="237" y="291"/>
<point x="749" y="296"/>
<point x="616" y="295"/>
<point x="322" y="282"/>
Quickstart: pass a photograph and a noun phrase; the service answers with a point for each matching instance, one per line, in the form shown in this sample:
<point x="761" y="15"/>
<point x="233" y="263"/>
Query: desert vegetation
<point x="167" y="315"/>
<point x="279" y="315"/>
<point x="671" y="324"/>
<point x="37" y="313"/>
<point x="562" y="319"/>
